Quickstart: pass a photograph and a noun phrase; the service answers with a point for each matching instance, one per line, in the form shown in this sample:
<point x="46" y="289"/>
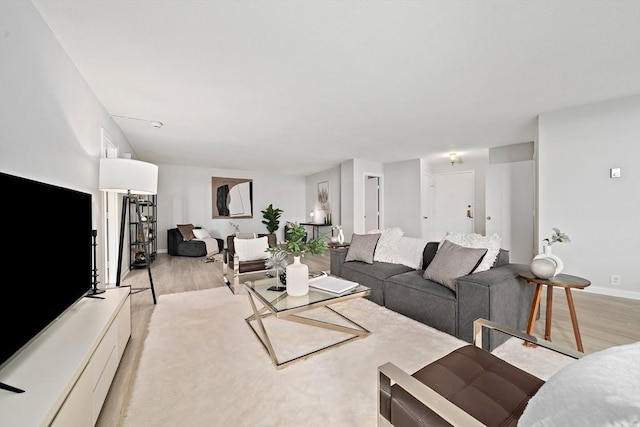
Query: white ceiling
<point x="300" y="86"/>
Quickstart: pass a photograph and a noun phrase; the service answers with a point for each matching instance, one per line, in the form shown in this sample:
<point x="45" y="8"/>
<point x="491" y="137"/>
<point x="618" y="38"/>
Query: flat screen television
<point x="48" y="254"/>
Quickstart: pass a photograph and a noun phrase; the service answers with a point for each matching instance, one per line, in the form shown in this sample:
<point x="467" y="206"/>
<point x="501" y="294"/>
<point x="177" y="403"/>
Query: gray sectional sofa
<point x="497" y="294"/>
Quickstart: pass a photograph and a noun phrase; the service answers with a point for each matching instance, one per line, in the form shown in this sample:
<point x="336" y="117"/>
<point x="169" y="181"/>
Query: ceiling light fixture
<point x="453" y="158"/>
<point x="154" y="123"/>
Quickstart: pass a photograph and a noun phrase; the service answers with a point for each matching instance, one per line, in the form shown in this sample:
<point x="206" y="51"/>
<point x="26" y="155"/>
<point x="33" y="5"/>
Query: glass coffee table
<point x="279" y="305"/>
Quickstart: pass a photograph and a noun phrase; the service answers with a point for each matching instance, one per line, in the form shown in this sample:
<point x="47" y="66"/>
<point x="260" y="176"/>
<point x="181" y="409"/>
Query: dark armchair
<point x="238" y="268"/>
<point x="177" y="246"/>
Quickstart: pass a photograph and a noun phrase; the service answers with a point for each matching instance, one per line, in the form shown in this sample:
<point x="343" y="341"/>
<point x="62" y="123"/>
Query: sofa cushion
<point x="187" y="231"/>
<point x="362" y="247"/>
<point x="372" y="275"/>
<point x="386" y="249"/>
<point x="474" y="240"/>
<point x="410" y="251"/>
<point x="251" y="249"/>
<point x="423" y="300"/>
<point x="200" y="233"/>
<point x="490" y="389"/>
<point x="453" y="261"/>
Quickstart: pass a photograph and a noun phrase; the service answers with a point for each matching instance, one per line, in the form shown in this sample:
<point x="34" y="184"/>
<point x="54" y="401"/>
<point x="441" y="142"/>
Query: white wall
<point x="50" y="119"/>
<point x="403" y="198"/>
<point x="311" y="200"/>
<point x="347" y="197"/>
<point x="576" y="147"/>
<point x="185" y="197"/>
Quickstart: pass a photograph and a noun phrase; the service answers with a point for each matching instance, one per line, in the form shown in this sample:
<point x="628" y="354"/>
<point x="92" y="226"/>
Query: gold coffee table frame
<point x="282" y="306"/>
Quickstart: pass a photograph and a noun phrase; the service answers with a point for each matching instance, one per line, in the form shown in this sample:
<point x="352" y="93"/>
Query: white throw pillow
<point x="409" y="252"/>
<point x="600" y="389"/>
<point x="473" y="240"/>
<point x="387" y="247"/>
<point x="200" y="233"/>
<point x="251" y="249"/>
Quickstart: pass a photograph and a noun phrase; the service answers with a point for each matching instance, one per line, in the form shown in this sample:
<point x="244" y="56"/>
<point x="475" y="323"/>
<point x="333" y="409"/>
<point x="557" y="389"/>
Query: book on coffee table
<point x="332" y="284"/>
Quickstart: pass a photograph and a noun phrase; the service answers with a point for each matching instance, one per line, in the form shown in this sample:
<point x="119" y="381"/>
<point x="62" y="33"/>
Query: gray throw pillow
<point x="362" y="247"/>
<point x="453" y="261"/>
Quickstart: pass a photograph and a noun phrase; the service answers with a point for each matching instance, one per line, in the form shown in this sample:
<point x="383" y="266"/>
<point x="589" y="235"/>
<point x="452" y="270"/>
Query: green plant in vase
<point x="271" y="217"/>
<point x="297" y="274"/>
<point x="296" y="244"/>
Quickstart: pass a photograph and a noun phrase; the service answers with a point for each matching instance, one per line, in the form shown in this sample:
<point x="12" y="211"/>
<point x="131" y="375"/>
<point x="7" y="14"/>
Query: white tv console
<point x="66" y="372"/>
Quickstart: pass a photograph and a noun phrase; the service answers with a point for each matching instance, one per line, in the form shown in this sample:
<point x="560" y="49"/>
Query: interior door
<point x="427" y="207"/>
<point x="453" y="201"/>
<point x="510" y="207"/>
<point x="371" y="203"/>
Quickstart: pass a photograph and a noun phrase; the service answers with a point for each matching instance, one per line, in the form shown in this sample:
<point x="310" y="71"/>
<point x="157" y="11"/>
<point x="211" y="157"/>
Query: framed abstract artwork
<point x="231" y="197"/>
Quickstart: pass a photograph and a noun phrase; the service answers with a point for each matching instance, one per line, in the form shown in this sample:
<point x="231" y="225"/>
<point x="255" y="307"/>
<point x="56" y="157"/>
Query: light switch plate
<point x="615" y="172"/>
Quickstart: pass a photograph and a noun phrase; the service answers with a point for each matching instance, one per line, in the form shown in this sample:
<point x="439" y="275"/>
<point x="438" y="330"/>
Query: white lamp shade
<point x="126" y="175"/>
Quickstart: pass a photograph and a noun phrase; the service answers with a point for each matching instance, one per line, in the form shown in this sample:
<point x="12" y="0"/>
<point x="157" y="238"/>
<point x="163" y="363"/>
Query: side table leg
<point x="574" y="319"/>
<point x="532" y="315"/>
<point x="547" y="325"/>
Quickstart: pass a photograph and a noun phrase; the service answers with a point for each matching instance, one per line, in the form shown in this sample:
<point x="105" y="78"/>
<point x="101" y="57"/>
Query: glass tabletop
<point x="281" y="302"/>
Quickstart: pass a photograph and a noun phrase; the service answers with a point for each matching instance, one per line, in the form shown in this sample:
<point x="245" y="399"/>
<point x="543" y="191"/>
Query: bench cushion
<point x="483" y="385"/>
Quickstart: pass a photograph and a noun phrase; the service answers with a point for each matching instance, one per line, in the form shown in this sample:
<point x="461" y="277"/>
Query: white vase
<point x="546" y="253"/>
<point x="297" y="278"/>
<point x="340" y="236"/>
<point x="543" y="268"/>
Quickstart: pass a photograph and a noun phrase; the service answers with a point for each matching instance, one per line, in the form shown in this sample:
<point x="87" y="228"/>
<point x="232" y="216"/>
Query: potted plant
<point x="271" y="217"/>
<point x="547" y="264"/>
<point x="296" y="244"/>
<point x="297" y="274"/>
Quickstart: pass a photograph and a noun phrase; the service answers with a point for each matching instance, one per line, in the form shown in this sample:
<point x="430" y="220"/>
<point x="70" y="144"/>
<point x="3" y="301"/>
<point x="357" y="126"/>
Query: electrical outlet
<point x="615" y="280"/>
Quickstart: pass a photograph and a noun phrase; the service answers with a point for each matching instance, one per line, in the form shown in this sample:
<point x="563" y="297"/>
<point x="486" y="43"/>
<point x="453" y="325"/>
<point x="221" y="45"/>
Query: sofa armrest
<point x="338" y="255"/>
<point x="498" y="295"/>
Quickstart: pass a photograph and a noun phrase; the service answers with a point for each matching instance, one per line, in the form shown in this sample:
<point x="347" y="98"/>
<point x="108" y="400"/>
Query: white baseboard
<point x="613" y="292"/>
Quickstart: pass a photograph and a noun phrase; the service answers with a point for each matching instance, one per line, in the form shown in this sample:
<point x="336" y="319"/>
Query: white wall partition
<point x="50" y="119"/>
<point x="184" y="197"/>
<point x="403" y="202"/>
<point x="576" y="149"/>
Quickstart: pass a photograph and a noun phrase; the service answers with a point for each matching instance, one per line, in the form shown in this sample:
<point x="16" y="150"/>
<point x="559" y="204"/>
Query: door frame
<point x="110" y="217"/>
<point x="380" y="177"/>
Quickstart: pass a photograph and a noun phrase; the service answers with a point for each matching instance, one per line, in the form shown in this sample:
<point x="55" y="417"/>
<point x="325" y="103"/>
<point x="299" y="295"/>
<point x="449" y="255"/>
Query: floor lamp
<point x="132" y="178"/>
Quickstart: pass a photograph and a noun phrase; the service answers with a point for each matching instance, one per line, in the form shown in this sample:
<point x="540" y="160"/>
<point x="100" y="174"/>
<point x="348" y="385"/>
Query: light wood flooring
<point x="604" y="321"/>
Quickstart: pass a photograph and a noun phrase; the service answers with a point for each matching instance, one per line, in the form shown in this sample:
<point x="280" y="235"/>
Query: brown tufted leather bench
<point x="469" y="386"/>
<point x="488" y="388"/>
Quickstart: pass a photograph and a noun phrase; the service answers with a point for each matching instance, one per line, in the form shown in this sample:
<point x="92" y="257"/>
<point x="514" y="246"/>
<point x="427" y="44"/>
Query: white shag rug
<point x="202" y="365"/>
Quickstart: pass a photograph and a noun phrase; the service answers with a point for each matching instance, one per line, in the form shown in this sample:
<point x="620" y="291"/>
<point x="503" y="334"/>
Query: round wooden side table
<point x="565" y="281"/>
